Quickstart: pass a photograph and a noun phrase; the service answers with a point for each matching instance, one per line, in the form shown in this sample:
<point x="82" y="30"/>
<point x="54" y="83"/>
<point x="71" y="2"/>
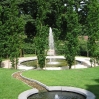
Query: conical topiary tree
<point x="92" y="28"/>
<point x="73" y="29"/>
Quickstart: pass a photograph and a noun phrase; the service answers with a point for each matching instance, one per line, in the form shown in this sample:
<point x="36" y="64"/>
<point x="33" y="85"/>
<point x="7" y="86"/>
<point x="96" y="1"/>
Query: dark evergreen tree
<point x="42" y="32"/>
<point x="73" y="29"/>
<point x="13" y="26"/>
<point x="92" y="27"/>
<point x="1" y="38"/>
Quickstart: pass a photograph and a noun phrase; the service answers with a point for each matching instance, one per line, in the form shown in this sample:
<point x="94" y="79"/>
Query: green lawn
<point x="10" y="88"/>
<point x="88" y="79"/>
<point x="82" y="78"/>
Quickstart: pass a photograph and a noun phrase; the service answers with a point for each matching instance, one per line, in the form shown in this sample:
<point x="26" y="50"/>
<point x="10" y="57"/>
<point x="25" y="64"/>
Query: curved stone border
<point x="86" y="93"/>
<point x="24" y="59"/>
<point x="83" y="60"/>
<point x="27" y="93"/>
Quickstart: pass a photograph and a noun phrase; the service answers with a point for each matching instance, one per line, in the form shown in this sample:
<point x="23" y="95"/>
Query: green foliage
<point x="40" y="43"/>
<point x="12" y="30"/>
<point x="1" y="41"/>
<point x="93" y="27"/>
<point x="60" y="47"/>
<point x="29" y="48"/>
<point x="83" y="50"/>
<point x="73" y="29"/>
<point x="41" y="60"/>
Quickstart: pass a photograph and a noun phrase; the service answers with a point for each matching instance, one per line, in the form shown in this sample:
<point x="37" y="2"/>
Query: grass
<point x="83" y="78"/>
<point x="10" y="88"/>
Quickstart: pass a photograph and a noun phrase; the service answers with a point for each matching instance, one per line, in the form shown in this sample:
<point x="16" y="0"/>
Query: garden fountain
<point x="51" y="51"/>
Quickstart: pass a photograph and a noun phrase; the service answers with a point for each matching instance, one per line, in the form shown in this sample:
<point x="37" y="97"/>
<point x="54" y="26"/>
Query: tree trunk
<point x="69" y="67"/>
<point x="21" y="53"/>
<point x="94" y="62"/>
<point x="87" y="53"/>
<point x="0" y="64"/>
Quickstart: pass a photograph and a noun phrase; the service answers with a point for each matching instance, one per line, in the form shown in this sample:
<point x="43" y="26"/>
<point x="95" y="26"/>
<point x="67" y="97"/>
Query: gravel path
<point x="17" y="75"/>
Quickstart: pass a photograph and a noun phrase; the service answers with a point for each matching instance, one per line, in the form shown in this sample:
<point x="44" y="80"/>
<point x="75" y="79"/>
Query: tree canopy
<point x="27" y="21"/>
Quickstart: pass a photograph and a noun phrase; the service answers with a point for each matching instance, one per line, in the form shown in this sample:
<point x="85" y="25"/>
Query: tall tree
<point x="14" y="28"/>
<point x="73" y="29"/>
<point x="92" y="25"/>
<point x="1" y="38"/>
<point x="42" y="33"/>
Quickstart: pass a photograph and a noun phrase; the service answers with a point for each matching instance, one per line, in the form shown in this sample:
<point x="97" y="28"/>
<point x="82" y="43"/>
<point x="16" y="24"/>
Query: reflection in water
<point x="57" y="95"/>
<point x="58" y="63"/>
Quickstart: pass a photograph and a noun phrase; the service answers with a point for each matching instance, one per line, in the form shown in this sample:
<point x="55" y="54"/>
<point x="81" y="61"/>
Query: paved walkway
<point x="85" y="60"/>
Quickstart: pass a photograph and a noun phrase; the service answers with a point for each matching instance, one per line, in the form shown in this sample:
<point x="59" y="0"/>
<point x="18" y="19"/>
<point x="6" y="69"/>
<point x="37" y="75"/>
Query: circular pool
<point x="57" y="92"/>
<point x="57" y="95"/>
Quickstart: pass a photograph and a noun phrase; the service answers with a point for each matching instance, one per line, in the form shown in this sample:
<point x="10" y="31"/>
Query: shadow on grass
<point x="94" y="88"/>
